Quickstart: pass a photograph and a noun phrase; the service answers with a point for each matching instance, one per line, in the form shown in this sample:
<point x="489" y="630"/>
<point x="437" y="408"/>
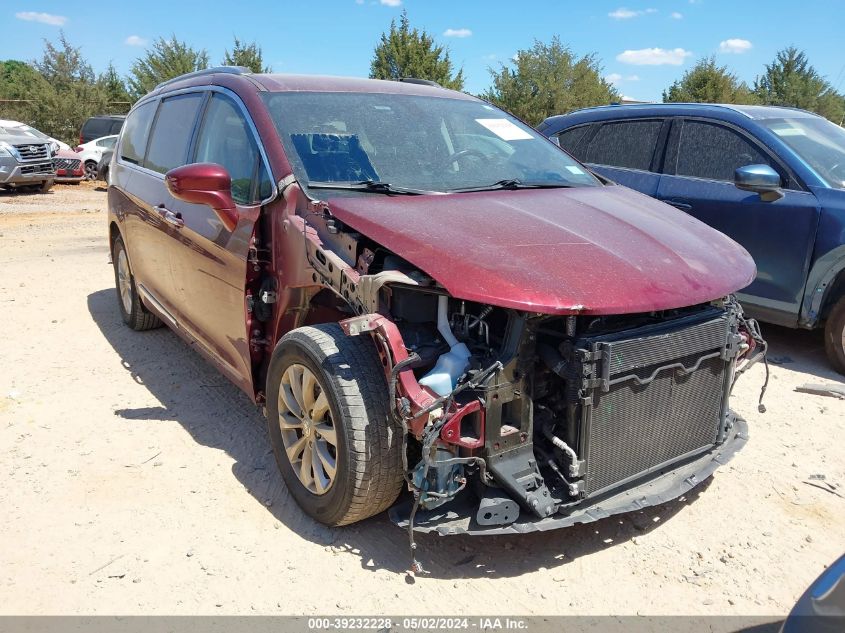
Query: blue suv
<point x="771" y="178"/>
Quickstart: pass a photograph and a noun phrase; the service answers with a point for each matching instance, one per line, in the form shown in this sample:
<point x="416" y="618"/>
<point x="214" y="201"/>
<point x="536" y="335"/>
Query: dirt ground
<point x="136" y="479"/>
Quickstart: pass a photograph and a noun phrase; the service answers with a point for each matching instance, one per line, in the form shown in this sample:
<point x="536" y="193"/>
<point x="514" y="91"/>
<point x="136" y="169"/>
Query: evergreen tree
<point x="165" y="60"/>
<point x="407" y="52"/>
<point x="247" y="55"/>
<point x="549" y="79"/>
<point x="708" y="83"/>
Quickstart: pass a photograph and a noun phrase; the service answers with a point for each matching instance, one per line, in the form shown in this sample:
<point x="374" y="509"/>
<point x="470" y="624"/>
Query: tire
<point x="90" y="170"/>
<point x="834" y="336"/>
<point x="132" y="311"/>
<point x="367" y="450"/>
<point x="45" y="186"/>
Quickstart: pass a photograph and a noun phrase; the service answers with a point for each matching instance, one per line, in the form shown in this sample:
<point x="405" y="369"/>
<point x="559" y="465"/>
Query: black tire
<point x="137" y="316"/>
<point x="90" y="170"/>
<point x="834" y="336"/>
<point x="368" y="453"/>
<point x="45" y="186"/>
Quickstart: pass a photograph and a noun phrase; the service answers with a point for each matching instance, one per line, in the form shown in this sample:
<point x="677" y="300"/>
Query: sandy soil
<point x="136" y="479"/>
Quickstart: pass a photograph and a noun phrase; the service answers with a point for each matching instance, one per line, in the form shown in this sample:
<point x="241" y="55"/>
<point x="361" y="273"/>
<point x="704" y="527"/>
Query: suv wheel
<point x="45" y="186"/>
<point x="335" y="445"/>
<point x="132" y="311"/>
<point x="834" y="336"/>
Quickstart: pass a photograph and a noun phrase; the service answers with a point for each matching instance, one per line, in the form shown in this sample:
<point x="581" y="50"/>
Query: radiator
<point x="652" y="396"/>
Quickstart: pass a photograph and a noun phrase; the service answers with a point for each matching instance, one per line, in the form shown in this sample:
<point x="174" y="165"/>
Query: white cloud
<point x="391" y="3"/>
<point x="735" y="45"/>
<point x="359" y="1"/>
<point x="626" y="14"/>
<point x="677" y="16"/>
<point x="616" y="78"/>
<point x="135" y="40"/>
<point x="44" y="18"/>
<point x="654" y="57"/>
<point x="457" y="33"/>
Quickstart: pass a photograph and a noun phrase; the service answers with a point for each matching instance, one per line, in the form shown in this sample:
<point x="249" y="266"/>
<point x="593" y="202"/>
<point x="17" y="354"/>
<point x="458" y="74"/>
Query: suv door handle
<point x="171" y="217"/>
<point x="683" y="206"/>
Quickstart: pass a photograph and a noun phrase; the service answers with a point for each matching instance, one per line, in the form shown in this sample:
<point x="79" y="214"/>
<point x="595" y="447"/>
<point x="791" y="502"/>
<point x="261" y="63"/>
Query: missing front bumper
<point x="458" y="516"/>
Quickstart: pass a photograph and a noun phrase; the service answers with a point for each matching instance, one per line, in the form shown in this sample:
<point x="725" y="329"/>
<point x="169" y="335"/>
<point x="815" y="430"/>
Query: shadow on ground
<point x="799" y="351"/>
<point x="218" y="415"/>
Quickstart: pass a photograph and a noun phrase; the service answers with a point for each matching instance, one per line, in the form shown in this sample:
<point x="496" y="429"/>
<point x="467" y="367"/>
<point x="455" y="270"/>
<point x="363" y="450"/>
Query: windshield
<point x="411" y="142"/>
<point x="820" y="143"/>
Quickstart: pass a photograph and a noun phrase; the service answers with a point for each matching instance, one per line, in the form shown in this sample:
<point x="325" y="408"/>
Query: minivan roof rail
<point x="422" y="82"/>
<point x="231" y="70"/>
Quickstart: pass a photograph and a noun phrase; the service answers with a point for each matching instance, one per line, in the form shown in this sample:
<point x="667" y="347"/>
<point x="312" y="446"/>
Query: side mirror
<point x="205" y="183"/>
<point x="760" y="179"/>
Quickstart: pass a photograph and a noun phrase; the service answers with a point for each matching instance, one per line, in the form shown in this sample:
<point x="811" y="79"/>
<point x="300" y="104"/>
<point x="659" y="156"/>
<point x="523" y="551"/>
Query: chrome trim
<point x="156" y="304"/>
<point x="200" y="89"/>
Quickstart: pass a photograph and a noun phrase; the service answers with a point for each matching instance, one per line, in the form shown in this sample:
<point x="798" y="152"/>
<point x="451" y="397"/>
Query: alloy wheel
<point x="308" y="432"/>
<point x="124" y="281"/>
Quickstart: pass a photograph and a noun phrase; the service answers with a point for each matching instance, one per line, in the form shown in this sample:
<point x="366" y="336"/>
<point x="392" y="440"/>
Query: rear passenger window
<point x="134" y="140"/>
<point x="225" y="138"/>
<point x="712" y="151"/>
<point x="171" y="132"/>
<point x="570" y="138"/>
<point x="627" y="144"/>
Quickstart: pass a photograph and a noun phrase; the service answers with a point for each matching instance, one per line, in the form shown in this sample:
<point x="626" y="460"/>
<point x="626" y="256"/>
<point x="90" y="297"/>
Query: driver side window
<point x="225" y="138"/>
<point x="714" y="152"/>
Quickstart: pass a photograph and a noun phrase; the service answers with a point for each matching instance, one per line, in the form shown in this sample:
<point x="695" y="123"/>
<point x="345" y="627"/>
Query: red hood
<point x="592" y="250"/>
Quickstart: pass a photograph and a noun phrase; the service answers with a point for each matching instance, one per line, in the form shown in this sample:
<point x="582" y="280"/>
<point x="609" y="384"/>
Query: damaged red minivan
<point x="423" y="292"/>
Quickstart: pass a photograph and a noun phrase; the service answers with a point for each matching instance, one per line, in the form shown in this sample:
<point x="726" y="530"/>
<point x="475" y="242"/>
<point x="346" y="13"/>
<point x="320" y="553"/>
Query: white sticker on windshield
<point x="505" y="130"/>
<point x="574" y="169"/>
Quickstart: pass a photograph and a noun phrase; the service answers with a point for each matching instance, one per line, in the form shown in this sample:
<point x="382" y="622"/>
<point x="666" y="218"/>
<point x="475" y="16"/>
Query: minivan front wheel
<point x="132" y="311"/>
<point x="334" y="443"/>
<point x="834" y="336"/>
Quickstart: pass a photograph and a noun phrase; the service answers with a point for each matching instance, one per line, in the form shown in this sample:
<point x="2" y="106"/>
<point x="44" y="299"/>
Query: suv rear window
<point x="172" y="131"/>
<point x="96" y="127"/>
<point x="627" y="144"/>
<point x="569" y="140"/>
<point x="134" y="140"/>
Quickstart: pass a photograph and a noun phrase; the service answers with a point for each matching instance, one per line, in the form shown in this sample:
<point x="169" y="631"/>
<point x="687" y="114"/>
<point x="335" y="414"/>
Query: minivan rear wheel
<point x="834" y="336"/>
<point x="334" y="443"/>
<point x="132" y="311"/>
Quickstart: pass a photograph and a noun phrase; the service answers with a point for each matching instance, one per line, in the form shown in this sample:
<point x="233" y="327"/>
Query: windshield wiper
<point x="514" y="183"/>
<point x="370" y="186"/>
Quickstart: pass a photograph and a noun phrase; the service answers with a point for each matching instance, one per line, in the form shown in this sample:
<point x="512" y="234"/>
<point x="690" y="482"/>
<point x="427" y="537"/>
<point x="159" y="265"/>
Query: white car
<point x="22" y="129"/>
<point x="92" y="151"/>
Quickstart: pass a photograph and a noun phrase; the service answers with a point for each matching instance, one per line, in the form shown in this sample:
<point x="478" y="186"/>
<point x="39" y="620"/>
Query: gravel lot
<point x="138" y="480"/>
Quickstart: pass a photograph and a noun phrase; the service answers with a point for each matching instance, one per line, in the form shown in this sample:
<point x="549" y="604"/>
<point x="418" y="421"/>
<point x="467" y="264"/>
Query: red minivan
<point x="424" y="292"/>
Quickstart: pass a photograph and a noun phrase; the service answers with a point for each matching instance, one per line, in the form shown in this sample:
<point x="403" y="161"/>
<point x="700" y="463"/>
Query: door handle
<point x="171" y="217"/>
<point x="683" y="206"/>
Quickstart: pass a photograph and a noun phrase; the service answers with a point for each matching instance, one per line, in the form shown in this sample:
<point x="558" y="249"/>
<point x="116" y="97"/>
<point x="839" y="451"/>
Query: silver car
<point x="25" y="163"/>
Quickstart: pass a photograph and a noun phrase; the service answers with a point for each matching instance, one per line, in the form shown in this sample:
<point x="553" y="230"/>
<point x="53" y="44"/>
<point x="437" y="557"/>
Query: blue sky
<point x="643" y="45"/>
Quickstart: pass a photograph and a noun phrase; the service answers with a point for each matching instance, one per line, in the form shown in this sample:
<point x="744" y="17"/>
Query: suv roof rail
<point x="422" y="82"/>
<point x="231" y="70"/>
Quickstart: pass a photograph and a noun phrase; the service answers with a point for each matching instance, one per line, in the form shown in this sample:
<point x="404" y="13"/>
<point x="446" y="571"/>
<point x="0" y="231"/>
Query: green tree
<point x="247" y="55"/>
<point x="707" y="82"/>
<point x="22" y="88"/>
<point x="115" y="90"/>
<point x="63" y="65"/>
<point x="407" y="52"/>
<point x="549" y="79"/>
<point x="790" y="80"/>
<point x="70" y="93"/>
<point x="165" y="60"/>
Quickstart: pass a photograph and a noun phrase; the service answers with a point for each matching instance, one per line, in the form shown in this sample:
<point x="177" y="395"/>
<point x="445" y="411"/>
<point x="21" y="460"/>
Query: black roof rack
<point x="231" y="70"/>
<point x="422" y="82"/>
